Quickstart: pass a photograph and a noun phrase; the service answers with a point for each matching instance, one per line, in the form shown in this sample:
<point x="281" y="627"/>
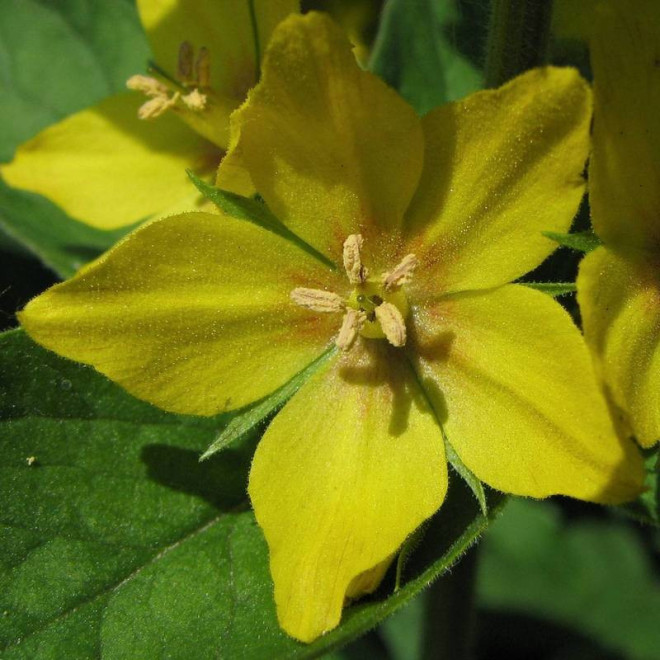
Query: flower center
<point x="375" y="309"/>
<point x="189" y="95"/>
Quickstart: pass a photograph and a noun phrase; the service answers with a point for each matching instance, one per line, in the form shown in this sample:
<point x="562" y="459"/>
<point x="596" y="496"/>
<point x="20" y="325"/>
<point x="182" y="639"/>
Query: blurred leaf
<point x="59" y="56"/>
<point x="590" y="576"/>
<point x="61" y="243"/>
<point x="646" y="508"/>
<point x="415" y="52"/>
<point x="116" y="537"/>
<point x="252" y="416"/>
<point x="584" y="241"/>
<point x="553" y="289"/>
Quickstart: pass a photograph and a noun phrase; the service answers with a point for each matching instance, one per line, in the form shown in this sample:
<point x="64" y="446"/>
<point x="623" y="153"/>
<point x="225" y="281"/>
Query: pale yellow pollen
<point x="195" y="101"/>
<point x="318" y="300"/>
<point x="147" y="85"/>
<point x="351" y="325"/>
<point x="157" y="106"/>
<point x="401" y="274"/>
<point x="392" y="323"/>
<point x="356" y="272"/>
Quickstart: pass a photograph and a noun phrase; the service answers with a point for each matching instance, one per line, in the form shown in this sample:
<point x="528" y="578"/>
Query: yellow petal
<point x="620" y="306"/>
<point x="224" y="27"/>
<point x="330" y="147"/>
<point x="624" y="175"/>
<point x="514" y="381"/>
<point x="107" y="168"/>
<point x="191" y="313"/>
<point x="500" y="167"/>
<point x="349" y="468"/>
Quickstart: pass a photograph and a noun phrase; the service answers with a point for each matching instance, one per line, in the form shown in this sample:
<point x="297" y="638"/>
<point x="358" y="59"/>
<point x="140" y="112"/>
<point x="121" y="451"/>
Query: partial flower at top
<point x="422" y="224"/>
<point x="106" y="167"/>
<point x="619" y="283"/>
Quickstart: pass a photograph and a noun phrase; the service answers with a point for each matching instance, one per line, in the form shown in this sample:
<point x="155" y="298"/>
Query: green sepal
<point x="646" y="508"/>
<point x="466" y="474"/>
<point x="255" y="211"/>
<point x="553" y="289"/>
<point x="251" y="416"/>
<point x="583" y="241"/>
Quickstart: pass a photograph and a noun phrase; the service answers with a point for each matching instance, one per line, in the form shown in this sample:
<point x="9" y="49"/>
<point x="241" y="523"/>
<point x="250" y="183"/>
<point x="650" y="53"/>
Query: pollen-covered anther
<point x="401" y="274"/>
<point x="147" y="85"/>
<point x="195" y="101"/>
<point x="355" y="270"/>
<point x="318" y="300"/>
<point x="351" y="325"/>
<point x="392" y="323"/>
<point x="157" y="106"/>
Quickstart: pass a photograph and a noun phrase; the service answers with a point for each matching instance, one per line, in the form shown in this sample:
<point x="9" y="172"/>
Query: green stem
<point x="517" y="38"/>
<point x="451" y="611"/>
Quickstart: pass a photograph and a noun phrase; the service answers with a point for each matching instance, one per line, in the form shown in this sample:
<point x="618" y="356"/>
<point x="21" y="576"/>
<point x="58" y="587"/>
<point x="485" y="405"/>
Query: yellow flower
<point x="426" y="222"/>
<point x="619" y="283"/>
<point x="106" y="167"/>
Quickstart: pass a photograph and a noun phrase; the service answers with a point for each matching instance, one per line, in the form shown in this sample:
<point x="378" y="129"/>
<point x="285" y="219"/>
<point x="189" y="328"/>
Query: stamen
<point x="401" y="274"/>
<point x="147" y="85"/>
<point x="392" y="323"/>
<point x="156" y="106"/>
<point x="317" y="300"/>
<point x="203" y="67"/>
<point x="195" y="101"/>
<point x="350" y="327"/>
<point x="185" y="63"/>
<point x="356" y="272"/>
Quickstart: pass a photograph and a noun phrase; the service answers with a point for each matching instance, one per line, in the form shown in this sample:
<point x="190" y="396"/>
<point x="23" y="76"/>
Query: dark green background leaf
<point x="591" y="576"/>
<point x="58" y="57"/>
<point x="116" y="536"/>
<point x="416" y="53"/>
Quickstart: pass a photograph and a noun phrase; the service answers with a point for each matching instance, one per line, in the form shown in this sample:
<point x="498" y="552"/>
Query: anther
<point x="156" y="107"/>
<point x="392" y="323"/>
<point x="356" y="272"/>
<point x="318" y="300"/>
<point x="203" y="68"/>
<point x="350" y="328"/>
<point x="401" y="274"/>
<point x="185" y="62"/>
<point x="147" y="85"/>
<point x="195" y="101"/>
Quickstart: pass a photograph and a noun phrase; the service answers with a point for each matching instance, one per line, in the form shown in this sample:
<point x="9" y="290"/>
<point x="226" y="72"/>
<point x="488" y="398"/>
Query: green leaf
<point x="553" y="289"/>
<point x="252" y="416"/>
<point x="584" y="241"/>
<point x="58" y="57"/>
<point x="415" y="53"/>
<point x="591" y="576"/>
<point x="61" y="243"/>
<point x="116" y="537"/>
<point x="646" y="508"/>
<point x="255" y="211"/>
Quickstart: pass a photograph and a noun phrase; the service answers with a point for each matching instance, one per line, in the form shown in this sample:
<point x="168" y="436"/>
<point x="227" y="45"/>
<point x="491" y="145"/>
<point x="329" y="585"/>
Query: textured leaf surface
<point x="115" y="537"/>
<point x="553" y="289"/>
<point x="416" y="53"/>
<point x="57" y="57"/>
